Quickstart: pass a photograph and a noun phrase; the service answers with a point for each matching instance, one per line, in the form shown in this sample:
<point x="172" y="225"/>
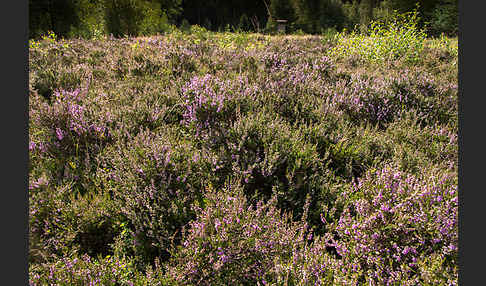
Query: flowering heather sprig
<point x="40" y="147"/>
<point x="39" y="183"/>
<point x="71" y="127"/>
<point x="395" y="230"/>
<point x="154" y="182"/>
<point x="365" y="98"/>
<point x="396" y="222"/>
<point x="233" y="242"/>
<point x="211" y="103"/>
<point x="380" y="100"/>
<point x="84" y="270"/>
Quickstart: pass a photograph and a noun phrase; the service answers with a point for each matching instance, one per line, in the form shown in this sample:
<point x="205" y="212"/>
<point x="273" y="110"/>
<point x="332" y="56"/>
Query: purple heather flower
<point x="217" y="223"/>
<point x="59" y="134"/>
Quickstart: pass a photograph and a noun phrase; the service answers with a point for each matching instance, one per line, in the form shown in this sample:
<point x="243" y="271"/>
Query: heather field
<point x="203" y="158"/>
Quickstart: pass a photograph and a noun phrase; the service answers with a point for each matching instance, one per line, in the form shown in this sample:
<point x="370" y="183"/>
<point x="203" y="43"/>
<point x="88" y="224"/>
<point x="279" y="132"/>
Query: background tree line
<point x="88" y="18"/>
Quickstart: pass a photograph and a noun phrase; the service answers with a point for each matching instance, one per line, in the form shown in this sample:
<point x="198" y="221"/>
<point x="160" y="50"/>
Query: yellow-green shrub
<point x="397" y="38"/>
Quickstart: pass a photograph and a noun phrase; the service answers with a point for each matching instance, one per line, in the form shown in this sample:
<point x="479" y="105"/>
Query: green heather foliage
<point x="197" y="157"/>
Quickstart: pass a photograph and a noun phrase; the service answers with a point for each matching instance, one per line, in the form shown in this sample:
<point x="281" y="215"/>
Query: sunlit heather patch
<point x="392" y="224"/>
<point x="240" y="243"/>
<point x="171" y="119"/>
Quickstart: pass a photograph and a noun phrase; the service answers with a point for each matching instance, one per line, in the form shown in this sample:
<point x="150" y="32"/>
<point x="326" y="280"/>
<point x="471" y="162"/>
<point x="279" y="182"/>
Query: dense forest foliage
<point x="91" y="18"/>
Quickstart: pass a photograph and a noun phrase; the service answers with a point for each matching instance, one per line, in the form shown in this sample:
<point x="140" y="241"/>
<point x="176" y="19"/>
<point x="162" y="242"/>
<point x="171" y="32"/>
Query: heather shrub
<point x="146" y="65"/>
<point x="416" y="147"/>
<point x="68" y="137"/>
<point x="48" y="228"/>
<point x="379" y="100"/>
<point x="293" y="88"/>
<point x="182" y="63"/>
<point x="386" y="233"/>
<point x="211" y="104"/>
<point x="447" y="45"/>
<point x="54" y="65"/>
<point x="62" y="222"/>
<point x="313" y="263"/>
<point x="137" y="108"/>
<point x="234" y="242"/>
<point x="95" y="221"/>
<point x="154" y="179"/>
<point x="365" y="98"/>
<point x="356" y="148"/>
<point x="292" y="164"/>
<point x="275" y="163"/>
<point x="440" y="57"/>
<point x="49" y="81"/>
<point x="404" y="142"/>
<point x="151" y="161"/>
<point x="243" y="61"/>
<point x="85" y="270"/>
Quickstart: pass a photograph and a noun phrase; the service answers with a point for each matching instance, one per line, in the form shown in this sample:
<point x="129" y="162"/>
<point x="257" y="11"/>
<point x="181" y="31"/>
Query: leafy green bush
<point x="134" y="18"/>
<point x="444" y="18"/>
<point x="155" y="21"/>
<point x="91" y="20"/>
<point x="384" y="41"/>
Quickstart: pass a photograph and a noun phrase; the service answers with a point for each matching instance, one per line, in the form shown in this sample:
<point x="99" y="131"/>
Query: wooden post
<point x="281" y="26"/>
